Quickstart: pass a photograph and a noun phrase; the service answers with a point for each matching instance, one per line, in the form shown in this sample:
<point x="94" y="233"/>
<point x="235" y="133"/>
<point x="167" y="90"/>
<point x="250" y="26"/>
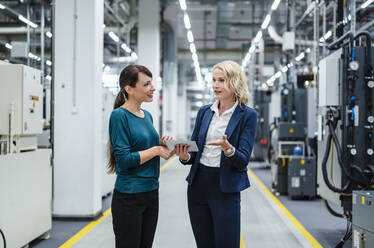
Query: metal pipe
<point x="28" y="34"/>
<point x="42" y="62"/>
<point x="74" y="86"/>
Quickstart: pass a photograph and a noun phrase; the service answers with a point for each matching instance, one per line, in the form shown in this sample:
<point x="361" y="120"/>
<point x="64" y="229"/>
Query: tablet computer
<point x="172" y="143"/>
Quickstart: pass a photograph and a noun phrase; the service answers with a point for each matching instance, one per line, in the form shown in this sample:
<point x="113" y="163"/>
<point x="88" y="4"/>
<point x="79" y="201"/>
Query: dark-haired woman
<point x="134" y="151"/>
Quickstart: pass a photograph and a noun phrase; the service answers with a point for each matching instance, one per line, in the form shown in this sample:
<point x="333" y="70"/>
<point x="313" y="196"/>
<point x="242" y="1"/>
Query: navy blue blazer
<point x="240" y="132"/>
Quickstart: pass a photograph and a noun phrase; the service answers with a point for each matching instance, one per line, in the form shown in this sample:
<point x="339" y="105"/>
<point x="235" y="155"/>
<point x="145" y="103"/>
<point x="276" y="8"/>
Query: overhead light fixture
<point x="2" y="6"/>
<point x="194" y="57"/>
<point x="275" y="4"/>
<point x="113" y="36"/>
<point x="48" y="62"/>
<point x="300" y="56"/>
<point x="252" y="49"/>
<point x="266" y="21"/>
<point x="9" y="46"/>
<point x="126" y="48"/>
<point x="134" y="55"/>
<point x="285" y="69"/>
<point x="187" y="22"/>
<point x="367" y="3"/>
<point x="183" y="5"/>
<point x="190" y="36"/>
<point x="48" y="77"/>
<point x="258" y="36"/>
<point x="192" y="48"/>
<point x="48" y="34"/>
<point x="326" y="36"/>
<point x="308" y="50"/>
<point x="27" y="21"/>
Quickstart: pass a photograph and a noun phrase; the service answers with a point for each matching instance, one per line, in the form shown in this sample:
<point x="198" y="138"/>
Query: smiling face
<point x="220" y="91"/>
<point x="143" y="90"/>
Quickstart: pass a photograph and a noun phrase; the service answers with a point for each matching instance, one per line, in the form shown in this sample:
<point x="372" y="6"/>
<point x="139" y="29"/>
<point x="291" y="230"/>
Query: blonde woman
<point x="224" y="132"/>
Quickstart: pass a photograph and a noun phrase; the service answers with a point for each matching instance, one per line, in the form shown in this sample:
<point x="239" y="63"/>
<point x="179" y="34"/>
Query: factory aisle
<point x="264" y="224"/>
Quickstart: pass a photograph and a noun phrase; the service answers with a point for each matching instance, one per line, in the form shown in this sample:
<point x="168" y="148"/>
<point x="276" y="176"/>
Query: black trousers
<point x="214" y="215"/>
<point x="134" y="218"/>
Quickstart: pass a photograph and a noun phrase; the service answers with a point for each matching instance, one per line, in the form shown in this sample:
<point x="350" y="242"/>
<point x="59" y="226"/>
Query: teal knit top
<point x="130" y="134"/>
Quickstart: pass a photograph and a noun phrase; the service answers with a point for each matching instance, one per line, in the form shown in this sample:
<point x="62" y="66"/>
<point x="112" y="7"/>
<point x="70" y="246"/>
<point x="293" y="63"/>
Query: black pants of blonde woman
<point x="134" y="218"/>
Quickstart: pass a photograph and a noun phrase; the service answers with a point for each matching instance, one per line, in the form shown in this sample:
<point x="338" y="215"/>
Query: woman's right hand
<point x="164" y="152"/>
<point x="182" y="151"/>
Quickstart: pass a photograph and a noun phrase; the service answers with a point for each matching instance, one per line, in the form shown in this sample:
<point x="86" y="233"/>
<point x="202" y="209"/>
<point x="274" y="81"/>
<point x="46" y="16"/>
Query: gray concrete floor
<point x="263" y="223"/>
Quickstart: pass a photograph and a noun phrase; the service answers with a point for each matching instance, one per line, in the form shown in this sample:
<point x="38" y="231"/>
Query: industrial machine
<point x="294" y="166"/>
<point x="363" y="219"/>
<point x="25" y="170"/>
<point x="302" y="177"/>
<point x="261" y="146"/>
<point x="345" y="123"/>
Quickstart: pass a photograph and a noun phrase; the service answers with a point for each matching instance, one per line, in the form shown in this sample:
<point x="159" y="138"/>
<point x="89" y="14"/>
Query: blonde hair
<point x="234" y="76"/>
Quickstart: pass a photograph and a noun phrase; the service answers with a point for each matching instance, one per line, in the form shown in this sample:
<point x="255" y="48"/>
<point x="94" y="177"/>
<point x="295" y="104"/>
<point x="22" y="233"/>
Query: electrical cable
<point x="339" y="152"/>
<point x="347" y="235"/>
<point x="3" y="236"/>
<point x="332" y="211"/>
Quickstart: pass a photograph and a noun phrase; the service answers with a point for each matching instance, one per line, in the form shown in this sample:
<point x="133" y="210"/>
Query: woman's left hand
<point x="220" y="142"/>
<point x="163" y="138"/>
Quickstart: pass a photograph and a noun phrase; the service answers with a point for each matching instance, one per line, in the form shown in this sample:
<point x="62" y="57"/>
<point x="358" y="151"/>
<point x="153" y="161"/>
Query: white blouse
<point x="211" y="155"/>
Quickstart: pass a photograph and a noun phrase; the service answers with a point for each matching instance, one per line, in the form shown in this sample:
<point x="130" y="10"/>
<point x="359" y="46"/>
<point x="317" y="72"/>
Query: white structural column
<point x="78" y="151"/>
<point x="149" y="49"/>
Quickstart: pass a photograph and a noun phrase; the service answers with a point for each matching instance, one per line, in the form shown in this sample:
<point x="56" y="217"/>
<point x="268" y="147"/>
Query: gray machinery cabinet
<point x="302" y="177"/>
<point x="363" y="219"/>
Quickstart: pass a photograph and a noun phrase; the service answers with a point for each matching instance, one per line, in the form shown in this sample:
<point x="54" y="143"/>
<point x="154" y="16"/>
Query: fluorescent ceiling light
<point x="300" y="57"/>
<point x="252" y="49"/>
<point x="190" y="36"/>
<point x="264" y="85"/>
<point x="28" y="22"/>
<point x="367" y="3"/>
<point x="266" y="21"/>
<point x="187" y="22"/>
<point x="290" y="65"/>
<point x="194" y="57"/>
<point x="113" y="36"/>
<point x="134" y="55"/>
<point x="2" y="6"/>
<point x="48" y="34"/>
<point x="326" y="36"/>
<point x="183" y="5"/>
<point x="307" y="50"/>
<point x="9" y="46"/>
<point x="126" y="48"/>
<point x="48" y="77"/>
<point x="275" y="4"/>
<point x="192" y="48"/>
<point x="285" y="69"/>
<point x="258" y="36"/>
<point x="270" y="83"/>
<point x="48" y="62"/>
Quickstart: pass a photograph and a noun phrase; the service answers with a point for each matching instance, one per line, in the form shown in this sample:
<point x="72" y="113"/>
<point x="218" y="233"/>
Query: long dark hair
<point x="128" y="76"/>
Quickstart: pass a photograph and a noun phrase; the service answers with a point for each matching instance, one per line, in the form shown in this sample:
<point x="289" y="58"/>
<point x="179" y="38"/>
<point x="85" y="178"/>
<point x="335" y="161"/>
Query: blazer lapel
<point x="205" y="124"/>
<point x="234" y="120"/>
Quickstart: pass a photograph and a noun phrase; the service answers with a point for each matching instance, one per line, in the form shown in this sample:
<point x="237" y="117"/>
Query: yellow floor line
<point x="171" y="160"/>
<point x="92" y="224"/>
<point x="297" y="224"/>
<point x="85" y="230"/>
<point x="241" y="242"/>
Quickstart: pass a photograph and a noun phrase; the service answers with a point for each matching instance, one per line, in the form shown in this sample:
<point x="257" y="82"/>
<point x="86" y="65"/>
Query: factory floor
<point x="266" y="220"/>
